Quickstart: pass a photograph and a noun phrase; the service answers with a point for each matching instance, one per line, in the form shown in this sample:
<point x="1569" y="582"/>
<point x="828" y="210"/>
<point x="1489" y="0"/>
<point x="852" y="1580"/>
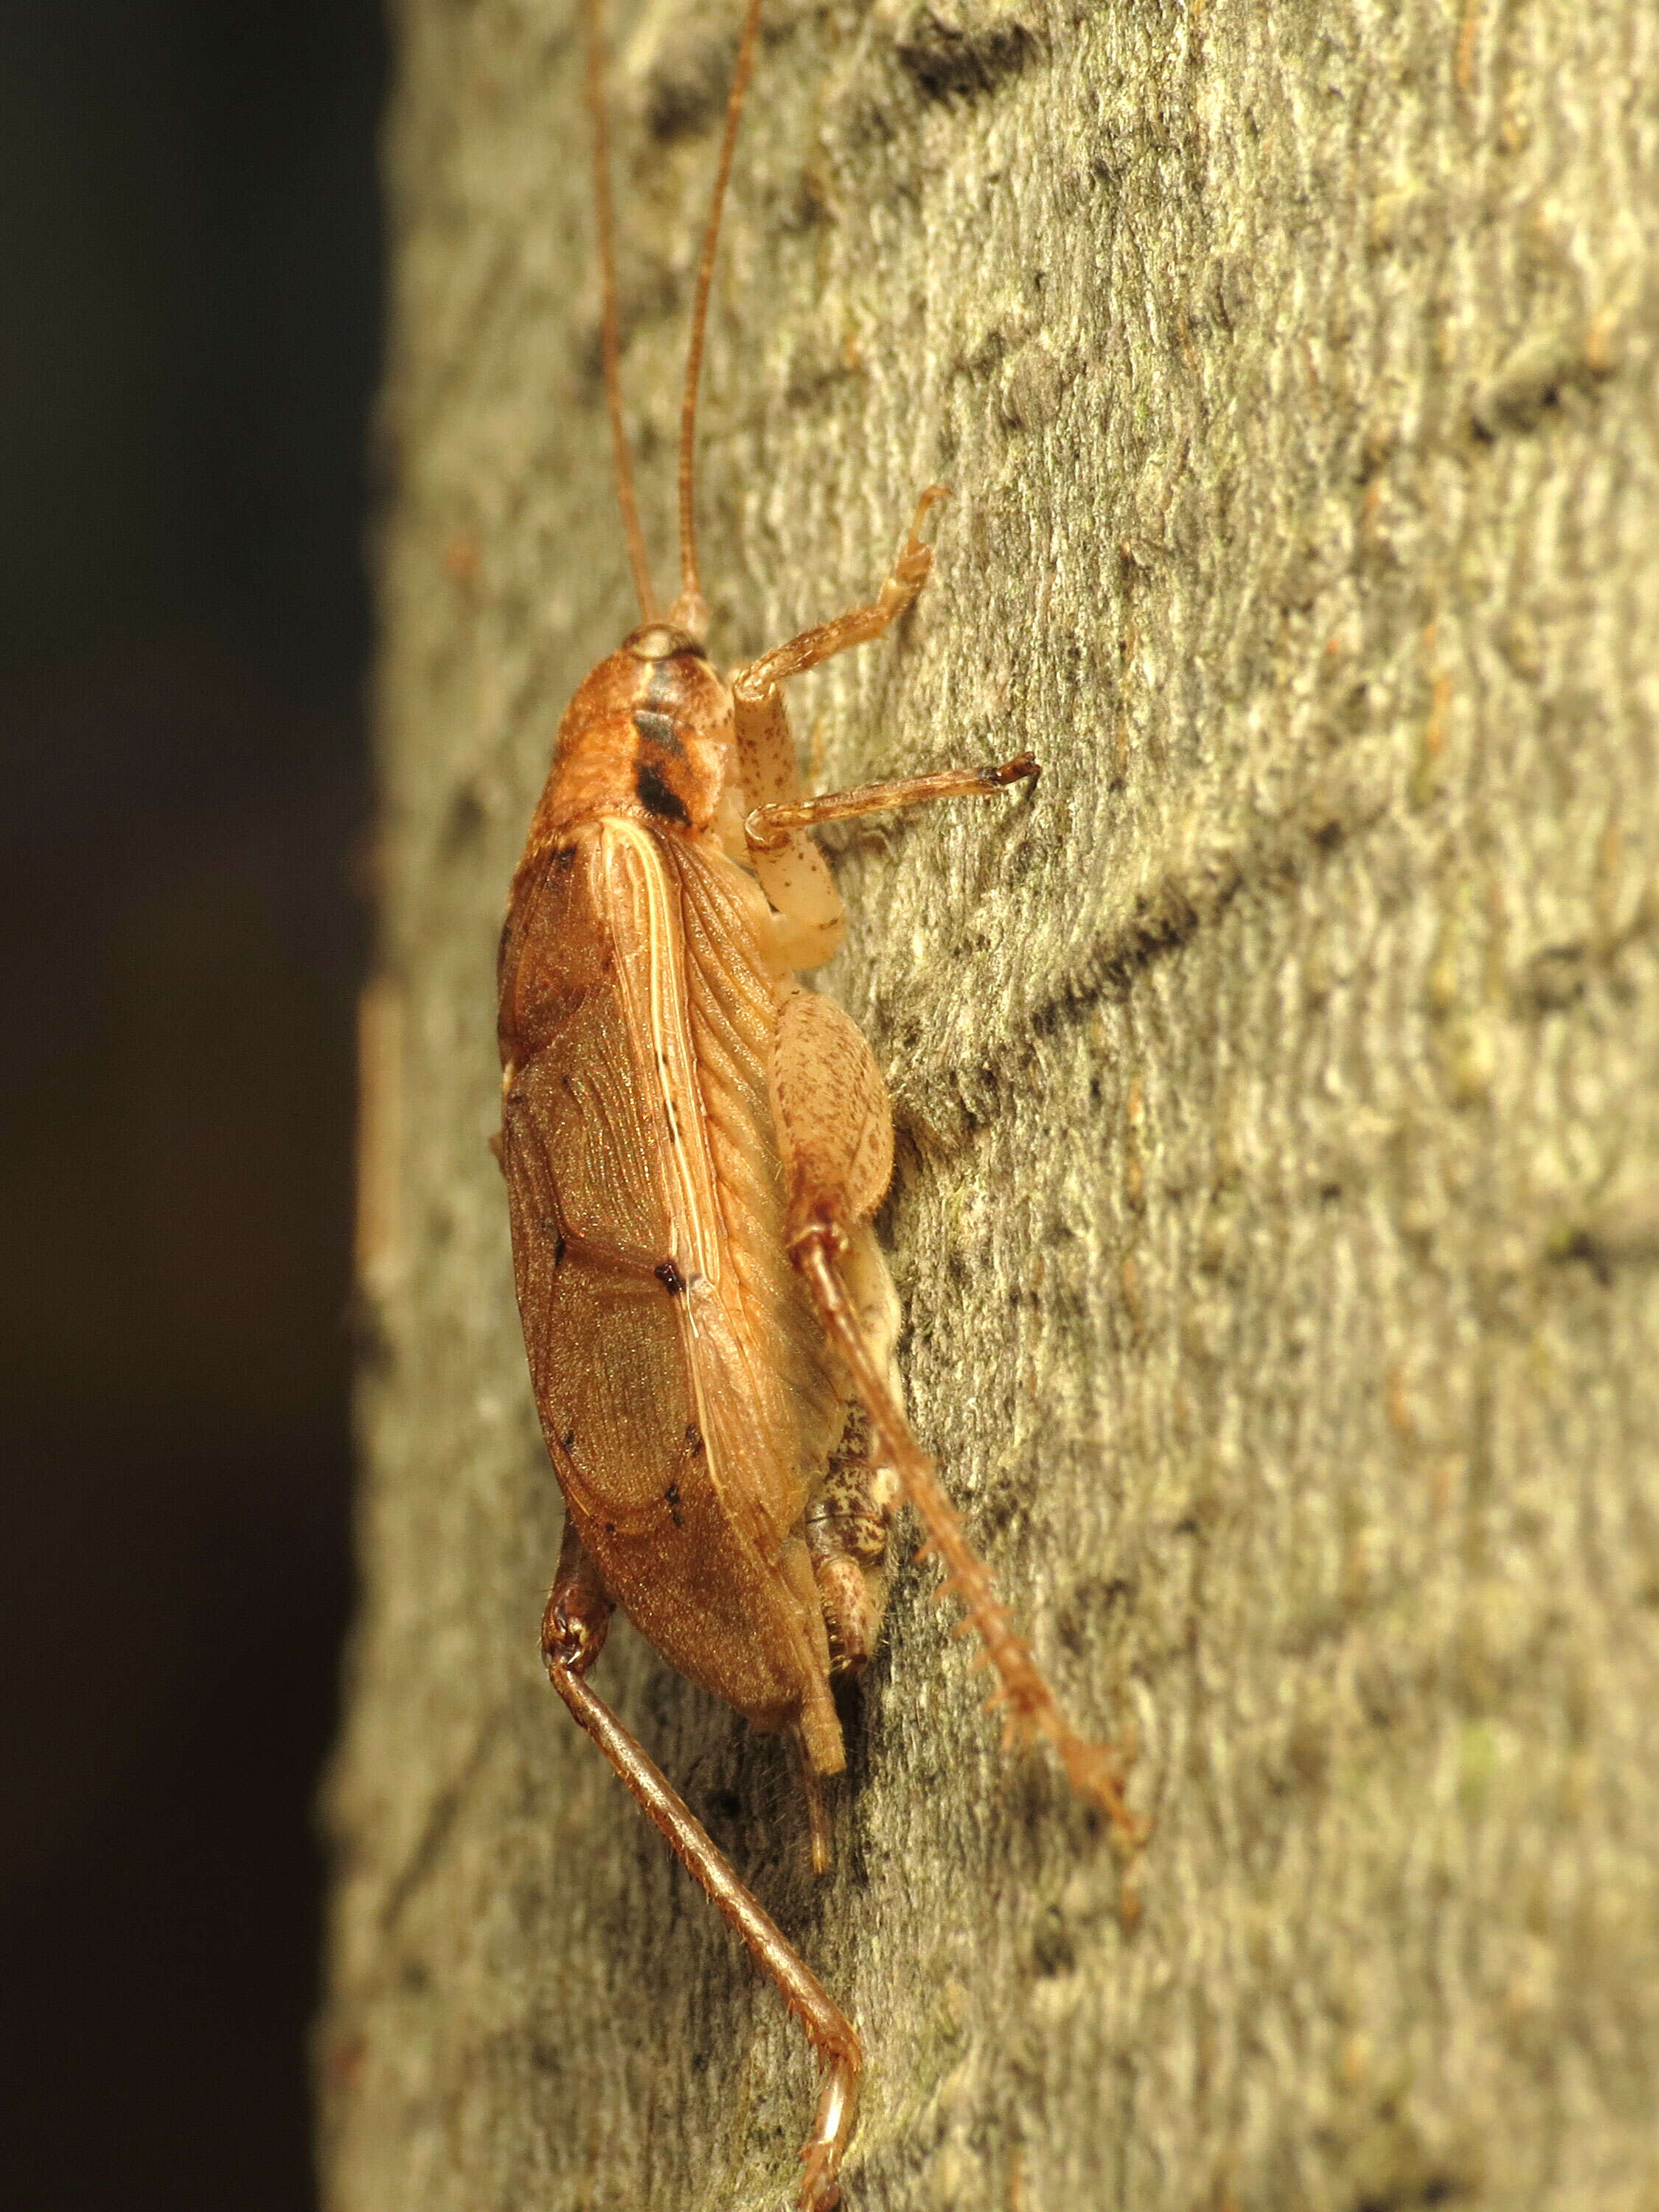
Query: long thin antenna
<point x="612" y="340"/>
<point x="690" y="609"/>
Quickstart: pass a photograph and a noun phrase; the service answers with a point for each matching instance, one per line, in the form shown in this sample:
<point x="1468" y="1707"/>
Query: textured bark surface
<point x="1278" y="1206"/>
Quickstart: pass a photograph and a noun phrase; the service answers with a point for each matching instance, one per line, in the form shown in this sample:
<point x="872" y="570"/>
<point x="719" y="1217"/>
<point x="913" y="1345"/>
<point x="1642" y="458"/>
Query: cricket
<point x="694" y="1144"/>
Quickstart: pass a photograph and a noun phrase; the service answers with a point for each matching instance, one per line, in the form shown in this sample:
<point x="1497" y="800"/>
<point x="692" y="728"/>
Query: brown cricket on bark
<point x="694" y="1144"/>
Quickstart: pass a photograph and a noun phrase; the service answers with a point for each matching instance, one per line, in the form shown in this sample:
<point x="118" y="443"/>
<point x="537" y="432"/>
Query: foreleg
<point x="857" y="626"/>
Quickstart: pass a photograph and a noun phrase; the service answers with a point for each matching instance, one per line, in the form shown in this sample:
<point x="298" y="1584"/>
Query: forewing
<point x="778" y="1409"/>
<point x="683" y="1386"/>
<point x="590" y="1204"/>
<point x="644" y="1188"/>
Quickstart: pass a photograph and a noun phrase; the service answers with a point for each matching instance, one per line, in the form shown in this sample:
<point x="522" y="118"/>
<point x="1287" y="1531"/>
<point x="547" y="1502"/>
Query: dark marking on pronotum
<point x="558" y="1251"/>
<point x="669" y="1277"/>
<point x="693" y="1438"/>
<point x="567" y="1439"/>
<point x="662" y="685"/>
<point x="671" y="1498"/>
<point x="658" y="730"/>
<point x="657" y="797"/>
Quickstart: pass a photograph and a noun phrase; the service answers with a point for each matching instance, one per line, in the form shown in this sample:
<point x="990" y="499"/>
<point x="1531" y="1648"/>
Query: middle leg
<point x="767" y="828"/>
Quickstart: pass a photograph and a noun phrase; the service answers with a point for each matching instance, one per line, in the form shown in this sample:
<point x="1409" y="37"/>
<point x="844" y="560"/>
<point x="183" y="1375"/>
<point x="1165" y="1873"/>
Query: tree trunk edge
<point x="1279" y="1192"/>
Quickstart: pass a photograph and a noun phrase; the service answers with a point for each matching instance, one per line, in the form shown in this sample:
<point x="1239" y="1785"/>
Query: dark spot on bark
<point x="944" y="62"/>
<point x="657" y="797"/>
<point x="669" y="1277"/>
<point x="558" y="1250"/>
<point x="686" y="88"/>
<point x="658" y="730"/>
<point x="671" y="1498"/>
<point x="1553" y="978"/>
<point x="463" y="824"/>
<point x="1052" y="1951"/>
<point x="609" y="1527"/>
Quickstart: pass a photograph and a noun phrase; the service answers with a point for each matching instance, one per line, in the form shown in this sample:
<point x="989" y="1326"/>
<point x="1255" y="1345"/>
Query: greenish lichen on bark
<point x="1278" y="1208"/>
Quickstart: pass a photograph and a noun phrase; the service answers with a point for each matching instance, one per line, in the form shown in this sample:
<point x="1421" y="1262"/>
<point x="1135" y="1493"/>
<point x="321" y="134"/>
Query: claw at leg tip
<point x="818" y="2194"/>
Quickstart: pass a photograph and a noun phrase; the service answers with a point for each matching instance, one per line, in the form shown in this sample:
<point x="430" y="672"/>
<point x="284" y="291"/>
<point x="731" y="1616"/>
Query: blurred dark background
<point x="191" y="286"/>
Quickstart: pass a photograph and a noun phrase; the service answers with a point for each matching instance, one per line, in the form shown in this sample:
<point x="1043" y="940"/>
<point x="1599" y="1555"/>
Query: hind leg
<point x="835" y="1127"/>
<point x="573" y="1635"/>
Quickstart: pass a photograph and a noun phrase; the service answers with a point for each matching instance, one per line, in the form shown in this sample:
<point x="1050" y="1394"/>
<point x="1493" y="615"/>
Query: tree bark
<point x="1277" y="1205"/>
